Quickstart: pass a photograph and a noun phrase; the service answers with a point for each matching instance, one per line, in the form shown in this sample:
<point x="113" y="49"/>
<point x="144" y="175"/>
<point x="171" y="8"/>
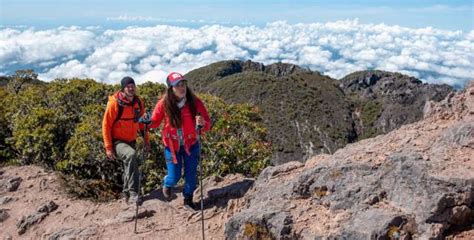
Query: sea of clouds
<point x="150" y="53"/>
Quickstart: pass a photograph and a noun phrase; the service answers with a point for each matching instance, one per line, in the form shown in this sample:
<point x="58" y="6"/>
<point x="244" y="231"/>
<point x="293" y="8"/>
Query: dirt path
<point x="113" y="220"/>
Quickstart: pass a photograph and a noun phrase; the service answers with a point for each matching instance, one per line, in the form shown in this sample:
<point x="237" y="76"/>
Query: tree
<point x="20" y="78"/>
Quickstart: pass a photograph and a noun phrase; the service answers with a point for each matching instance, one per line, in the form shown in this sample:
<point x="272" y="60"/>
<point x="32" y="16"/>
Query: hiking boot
<point x="167" y="192"/>
<point x="188" y="203"/>
<point x="133" y="199"/>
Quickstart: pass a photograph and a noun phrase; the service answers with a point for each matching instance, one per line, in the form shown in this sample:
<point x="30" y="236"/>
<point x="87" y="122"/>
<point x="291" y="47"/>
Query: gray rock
<point x="129" y="215"/>
<point x="262" y="225"/>
<point x="27" y="221"/>
<point x="235" y="190"/>
<point x="461" y="135"/>
<point x="421" y="204"/>
<point x="12" y="184"/>
<point x="376" y="224"/>
<point x="3" y="215"/>
<point x="71" y="233"/>
<point x="5" y="200"/>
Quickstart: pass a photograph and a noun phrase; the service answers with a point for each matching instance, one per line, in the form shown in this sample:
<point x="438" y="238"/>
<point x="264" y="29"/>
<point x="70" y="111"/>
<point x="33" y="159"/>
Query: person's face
<point x="180" y="90"/>
<point x="129" y="90"/>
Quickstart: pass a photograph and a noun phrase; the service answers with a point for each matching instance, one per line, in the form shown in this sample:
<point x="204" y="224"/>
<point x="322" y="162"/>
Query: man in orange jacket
<point x="120" y="128"/>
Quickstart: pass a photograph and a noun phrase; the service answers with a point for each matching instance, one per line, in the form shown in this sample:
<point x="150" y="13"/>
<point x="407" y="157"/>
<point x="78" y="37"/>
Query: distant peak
<point x="368" y="78"/>
<point x="275" y="69"/>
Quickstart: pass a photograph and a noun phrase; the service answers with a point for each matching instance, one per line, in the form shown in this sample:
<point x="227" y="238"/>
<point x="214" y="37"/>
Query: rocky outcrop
<point x="383" y="101"/>
<point x="414" y="182"/>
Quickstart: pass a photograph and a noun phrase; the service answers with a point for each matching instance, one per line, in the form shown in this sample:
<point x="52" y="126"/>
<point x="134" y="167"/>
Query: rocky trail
<point x="37" y="209"/>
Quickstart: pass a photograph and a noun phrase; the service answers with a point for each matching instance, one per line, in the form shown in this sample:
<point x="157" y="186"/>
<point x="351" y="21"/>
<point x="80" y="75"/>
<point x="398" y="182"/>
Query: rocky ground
<point x="37" y="209"/>
<point x="416" y="182"/>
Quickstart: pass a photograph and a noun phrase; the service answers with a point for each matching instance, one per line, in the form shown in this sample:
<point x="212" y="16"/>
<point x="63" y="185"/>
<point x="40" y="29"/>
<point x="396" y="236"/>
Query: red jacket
<point x="170" y="134"/>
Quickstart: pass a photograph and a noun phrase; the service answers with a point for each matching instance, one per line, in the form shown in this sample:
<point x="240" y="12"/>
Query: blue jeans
<point x="190" y="169"/>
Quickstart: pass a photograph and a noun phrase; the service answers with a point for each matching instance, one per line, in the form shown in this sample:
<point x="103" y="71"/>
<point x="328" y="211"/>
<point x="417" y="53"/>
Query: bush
<point x="237" y="142"/>
<point x="5" y="133"/>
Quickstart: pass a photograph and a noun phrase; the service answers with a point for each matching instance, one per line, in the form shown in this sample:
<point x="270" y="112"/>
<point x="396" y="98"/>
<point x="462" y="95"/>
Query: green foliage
<point x="34" y="134"/>
<point x="371" y="111"/>
<point x="58" y="125"/>
<point x="151" y="92"/>
<point x="30" y="125"/>
<point x="5" y="149"/>
<point x="237" y="142"/>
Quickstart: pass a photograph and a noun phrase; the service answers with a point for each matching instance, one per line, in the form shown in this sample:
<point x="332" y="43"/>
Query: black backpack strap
<point x="121" y="106"/>
<point x="137" y="99"/>
<point x="120" y="111"/>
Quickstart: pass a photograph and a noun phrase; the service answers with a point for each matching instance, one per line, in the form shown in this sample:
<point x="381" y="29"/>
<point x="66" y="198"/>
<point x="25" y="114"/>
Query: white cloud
<point x="149" y="53"/>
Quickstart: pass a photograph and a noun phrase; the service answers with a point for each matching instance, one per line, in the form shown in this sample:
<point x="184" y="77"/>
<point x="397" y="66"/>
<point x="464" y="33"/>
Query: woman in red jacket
<point x="181" y="111"/>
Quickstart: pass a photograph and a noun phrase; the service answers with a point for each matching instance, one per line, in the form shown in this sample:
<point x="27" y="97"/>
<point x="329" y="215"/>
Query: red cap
<point x="174" y="78"/>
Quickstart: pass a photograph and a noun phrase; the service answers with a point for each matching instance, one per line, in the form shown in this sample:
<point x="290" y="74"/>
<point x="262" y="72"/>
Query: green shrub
<point x="33" y="136"/>
<point x="237" y="142"/>
<point x="5" y="133"/>
<point x="371" y="111"/>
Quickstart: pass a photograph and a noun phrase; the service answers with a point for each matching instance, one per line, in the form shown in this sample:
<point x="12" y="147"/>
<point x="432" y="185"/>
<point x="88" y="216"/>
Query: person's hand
<point x="110" y="155"/>
<point x="145" y="119"/>
<point x="200" y="121"/>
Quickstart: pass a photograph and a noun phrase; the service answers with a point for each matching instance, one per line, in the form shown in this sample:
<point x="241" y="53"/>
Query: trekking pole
<point x="198" y="128"/>
<point x="145" y="122"/>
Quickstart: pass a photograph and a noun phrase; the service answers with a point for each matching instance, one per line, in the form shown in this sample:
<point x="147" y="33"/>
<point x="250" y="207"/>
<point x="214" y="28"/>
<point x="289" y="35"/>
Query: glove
<point x="145" y="119"/>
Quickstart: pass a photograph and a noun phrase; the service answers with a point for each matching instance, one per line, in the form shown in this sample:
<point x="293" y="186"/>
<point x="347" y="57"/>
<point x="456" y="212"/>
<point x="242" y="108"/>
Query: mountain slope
<point x="298" y="106"/>
<point x="307" y="113"/>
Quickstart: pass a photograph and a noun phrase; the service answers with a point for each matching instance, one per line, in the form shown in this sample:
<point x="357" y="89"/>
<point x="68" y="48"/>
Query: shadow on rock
<point x="218" y="193"/>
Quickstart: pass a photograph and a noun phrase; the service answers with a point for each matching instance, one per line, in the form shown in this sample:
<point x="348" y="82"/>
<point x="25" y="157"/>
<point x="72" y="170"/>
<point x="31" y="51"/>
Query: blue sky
<point x="446" y="14"/>
<point x="146" y="39"/>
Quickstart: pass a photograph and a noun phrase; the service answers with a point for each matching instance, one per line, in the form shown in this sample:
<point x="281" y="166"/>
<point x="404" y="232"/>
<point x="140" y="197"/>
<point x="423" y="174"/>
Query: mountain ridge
<point x="307" y="103"/>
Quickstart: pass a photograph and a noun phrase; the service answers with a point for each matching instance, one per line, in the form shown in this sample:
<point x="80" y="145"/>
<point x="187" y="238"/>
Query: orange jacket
<point x="125" y="129"/>
<point x="170" y="134"/>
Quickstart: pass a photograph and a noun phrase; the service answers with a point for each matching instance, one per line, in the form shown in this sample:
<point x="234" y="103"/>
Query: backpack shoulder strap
<point x="137" y="99"/>
<point x="119" y="113"/>
<point x="120" y="107"/>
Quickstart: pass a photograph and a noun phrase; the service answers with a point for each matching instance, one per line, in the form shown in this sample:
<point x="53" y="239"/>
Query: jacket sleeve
<point x="107" y="122"/>
<point x="203" y="111"/>
<point x="158" y="114"/>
